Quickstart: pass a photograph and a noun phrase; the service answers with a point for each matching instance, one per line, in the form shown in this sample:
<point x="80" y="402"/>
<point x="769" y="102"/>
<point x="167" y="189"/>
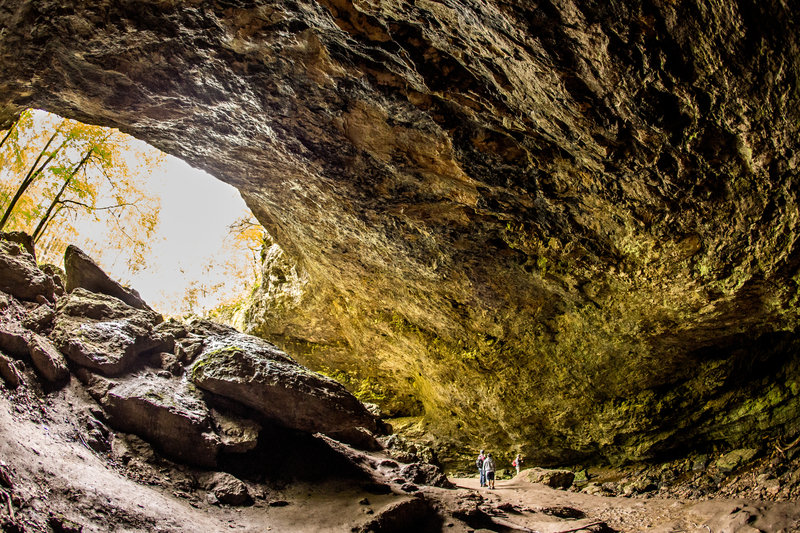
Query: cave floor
<point x="57" y="479"/>
<point x="657" y="515"/>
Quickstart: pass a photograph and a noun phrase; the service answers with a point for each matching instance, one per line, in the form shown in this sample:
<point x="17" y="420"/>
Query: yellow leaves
<point x="91" y="182"/>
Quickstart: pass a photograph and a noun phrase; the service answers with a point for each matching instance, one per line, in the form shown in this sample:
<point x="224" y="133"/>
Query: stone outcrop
<point x="256" y="374"/>
<point x="134" y="364"/>
<point x="81" y="271"/>
<point x="166" y="412"/>
<point x="103" y="333"/>
<point x="566" y="224"/>
<point x="19" y="275"/>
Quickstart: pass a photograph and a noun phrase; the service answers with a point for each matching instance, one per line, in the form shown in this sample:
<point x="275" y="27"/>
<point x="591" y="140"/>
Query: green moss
<point x="364" y="388"/>
<point x="215" y="357"/>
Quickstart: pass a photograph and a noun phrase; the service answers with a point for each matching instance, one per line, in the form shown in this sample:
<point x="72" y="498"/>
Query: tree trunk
<point x="33" y="173"/>
<point x="9" y="132"/>
<point x="57" y="198"/>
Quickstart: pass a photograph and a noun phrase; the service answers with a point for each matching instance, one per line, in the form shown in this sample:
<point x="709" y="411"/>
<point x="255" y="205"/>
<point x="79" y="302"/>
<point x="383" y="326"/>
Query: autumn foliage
<point x="60" y="178"/>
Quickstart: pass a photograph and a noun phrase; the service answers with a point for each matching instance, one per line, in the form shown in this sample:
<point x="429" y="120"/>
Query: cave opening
<point x="185" y="240"/>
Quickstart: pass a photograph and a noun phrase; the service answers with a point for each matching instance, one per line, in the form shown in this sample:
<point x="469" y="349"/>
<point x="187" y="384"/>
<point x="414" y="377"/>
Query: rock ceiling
<point x="569" y="227"/>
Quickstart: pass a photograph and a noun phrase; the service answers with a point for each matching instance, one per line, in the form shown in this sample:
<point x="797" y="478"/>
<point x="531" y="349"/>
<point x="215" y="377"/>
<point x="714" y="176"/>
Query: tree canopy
<point x="60" y="178"/>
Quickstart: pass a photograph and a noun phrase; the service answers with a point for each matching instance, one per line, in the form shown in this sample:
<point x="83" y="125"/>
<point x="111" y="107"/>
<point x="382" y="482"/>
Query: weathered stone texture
<point x="256" y="374"/>
<point x="572" y="225"/>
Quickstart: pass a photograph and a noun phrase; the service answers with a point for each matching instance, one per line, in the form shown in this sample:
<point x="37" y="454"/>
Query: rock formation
<point x="134" y="364"/>
<point x="568" y="226"/>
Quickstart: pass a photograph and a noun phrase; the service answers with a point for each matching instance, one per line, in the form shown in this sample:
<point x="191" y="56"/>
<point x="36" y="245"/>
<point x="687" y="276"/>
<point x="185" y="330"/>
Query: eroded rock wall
<point x="565" y="226"/>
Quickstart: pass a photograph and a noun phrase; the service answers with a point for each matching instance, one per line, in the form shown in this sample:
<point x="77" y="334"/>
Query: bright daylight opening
<point x="185" y="240"/>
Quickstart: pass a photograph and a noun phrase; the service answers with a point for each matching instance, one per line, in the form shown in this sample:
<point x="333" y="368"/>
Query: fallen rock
<point x="104" y="334"/>
<point x="9" y="372"/>
<point x="734" y="459"/>
<point x="416" y="514"/>
<point x="557" y="479"/>
<point x="562" y="511"/>
<point x="426" y="474"/>
<point x="167" y="413"/>
<point x="19" y="275"/>
<point x="83" y="272"/>
<point x="229" y="490"/>
<point x="255" y="373"/>
<point x="47" y="360"/>
<point x="6" y="479"/>
<point x="14" y="339"/>
<point x="57" y="274"/>
<point x="40" y="319"/>
<point x="22" y="239"/>
<point x="237" y="435"/>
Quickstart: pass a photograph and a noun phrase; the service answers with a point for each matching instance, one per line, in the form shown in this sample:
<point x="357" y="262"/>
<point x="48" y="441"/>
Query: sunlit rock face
<point x="570" y="228"/>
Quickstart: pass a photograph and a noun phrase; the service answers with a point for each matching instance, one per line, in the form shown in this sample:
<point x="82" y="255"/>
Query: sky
<point x="192" y="249"/>
<point x="196" y="211"/>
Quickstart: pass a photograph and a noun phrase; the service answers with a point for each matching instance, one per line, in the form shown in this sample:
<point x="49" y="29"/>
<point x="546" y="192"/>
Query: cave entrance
<point x="185" y="240"/>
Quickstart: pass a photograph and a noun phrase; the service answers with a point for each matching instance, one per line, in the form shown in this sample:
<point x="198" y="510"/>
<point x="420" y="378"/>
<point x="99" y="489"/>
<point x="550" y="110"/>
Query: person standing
<point x="517" y="462"/>
<point x="488" y="469"/>
<point x="479" y="463"/>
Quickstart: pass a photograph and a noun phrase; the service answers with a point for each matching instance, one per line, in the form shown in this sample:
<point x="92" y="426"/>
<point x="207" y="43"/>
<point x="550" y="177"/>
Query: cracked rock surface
<point x="568" y="225"/>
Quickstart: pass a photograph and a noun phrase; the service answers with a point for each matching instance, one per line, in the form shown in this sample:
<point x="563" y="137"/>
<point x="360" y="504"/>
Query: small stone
<point x="364" y="501"/>
<point x="278" y="503"/>
<point x="229" y="489"/>
<point x="5" y="476"/>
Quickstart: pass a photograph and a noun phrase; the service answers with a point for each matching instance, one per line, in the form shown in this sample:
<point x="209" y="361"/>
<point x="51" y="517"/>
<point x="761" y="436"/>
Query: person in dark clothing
<point x="479" y="464"/>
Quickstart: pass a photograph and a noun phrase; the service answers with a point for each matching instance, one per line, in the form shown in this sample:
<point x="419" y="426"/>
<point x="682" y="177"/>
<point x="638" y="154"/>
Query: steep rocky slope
<point x="569" y="227"/>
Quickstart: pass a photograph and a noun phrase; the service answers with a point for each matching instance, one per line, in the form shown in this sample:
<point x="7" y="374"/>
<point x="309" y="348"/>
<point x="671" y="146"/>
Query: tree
<point x="60" y="178"/>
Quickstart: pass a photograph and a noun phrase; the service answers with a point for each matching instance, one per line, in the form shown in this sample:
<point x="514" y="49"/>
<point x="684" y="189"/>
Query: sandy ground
<point x="637" y="515"/>
<point x="55" y="474"/>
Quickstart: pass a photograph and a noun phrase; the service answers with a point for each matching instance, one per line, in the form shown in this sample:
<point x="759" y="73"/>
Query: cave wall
<point x="568" y="227"/>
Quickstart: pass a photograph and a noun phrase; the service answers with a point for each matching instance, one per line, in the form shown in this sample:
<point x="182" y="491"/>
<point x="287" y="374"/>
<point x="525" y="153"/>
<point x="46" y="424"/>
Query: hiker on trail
<point x="479" y="464"/>
<point x="517" y="463"/>
<point x="488" y="469"/>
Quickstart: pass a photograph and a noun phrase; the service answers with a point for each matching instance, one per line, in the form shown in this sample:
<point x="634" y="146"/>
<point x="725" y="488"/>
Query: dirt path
<point x="530" y="504"/>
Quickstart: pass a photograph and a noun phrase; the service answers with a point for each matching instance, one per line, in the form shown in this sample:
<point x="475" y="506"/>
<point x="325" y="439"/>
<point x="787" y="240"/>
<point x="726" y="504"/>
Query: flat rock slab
<point x="255" y="373"/>
<point x="82" y="271"/>
<point x="104" y="334"/>
<point x="168" y="413"/>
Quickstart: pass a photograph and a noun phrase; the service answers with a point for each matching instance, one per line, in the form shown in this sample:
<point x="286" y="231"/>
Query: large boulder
<point x="82" y="271"/>
<point x="228" y="489"/>
<point x="255" y="373"/>
<point x="556" y="478"/>
<point x="103" y="333"/>
<point x="168" y="413"/>
<point x="19" y="275"/>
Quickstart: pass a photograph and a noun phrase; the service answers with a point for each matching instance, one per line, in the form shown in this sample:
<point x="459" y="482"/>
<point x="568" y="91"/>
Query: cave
<point x="566" y="229"/>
